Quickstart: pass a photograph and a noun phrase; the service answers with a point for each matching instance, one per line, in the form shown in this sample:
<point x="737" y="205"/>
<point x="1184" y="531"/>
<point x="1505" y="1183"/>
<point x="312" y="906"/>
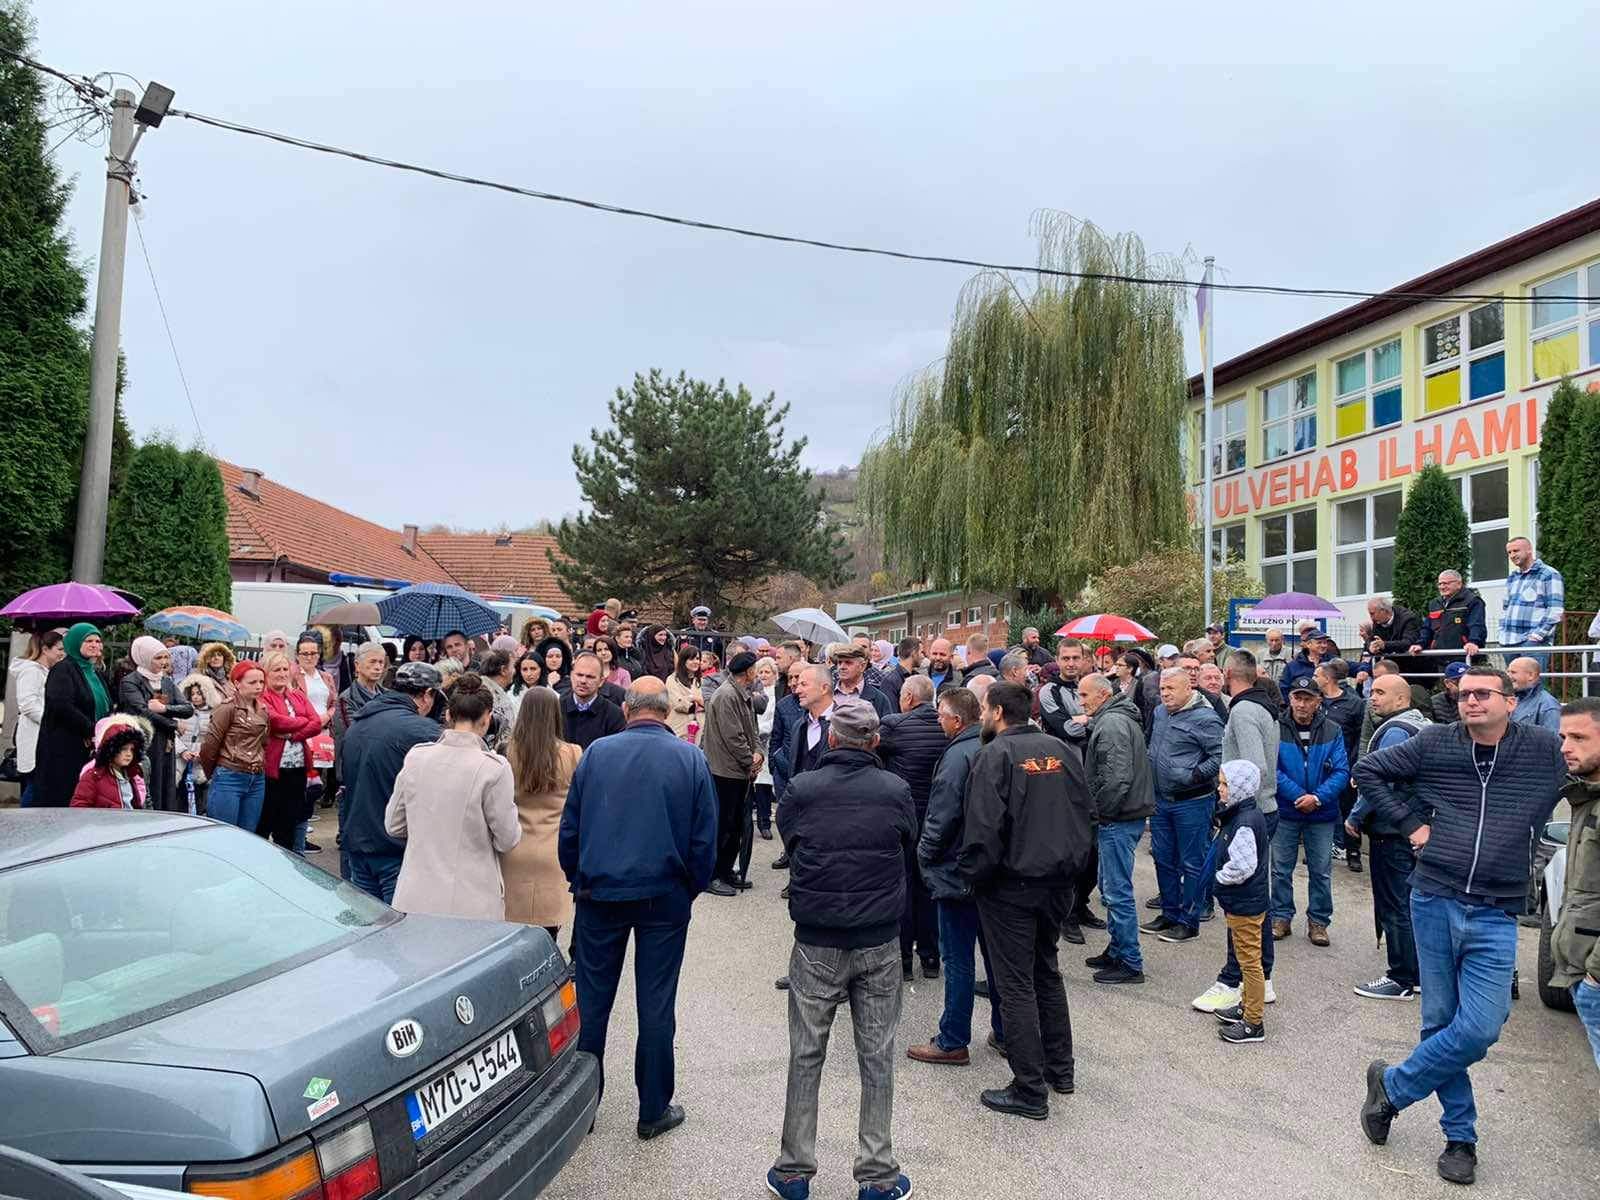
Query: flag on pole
<point x="1202" y="308"/>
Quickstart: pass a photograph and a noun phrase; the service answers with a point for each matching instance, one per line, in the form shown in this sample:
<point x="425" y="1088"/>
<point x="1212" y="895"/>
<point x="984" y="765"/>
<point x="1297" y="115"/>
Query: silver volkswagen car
<point x="184" y="1006"/>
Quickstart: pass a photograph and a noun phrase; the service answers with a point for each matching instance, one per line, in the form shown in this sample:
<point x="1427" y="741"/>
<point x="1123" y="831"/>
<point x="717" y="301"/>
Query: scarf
<point x="74" y="644"/>
<point x="361" y="696"/>
<point x="144" y="652"/>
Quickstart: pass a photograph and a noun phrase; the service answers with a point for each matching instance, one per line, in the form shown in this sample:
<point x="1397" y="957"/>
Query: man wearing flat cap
<point x="850" y="677"/>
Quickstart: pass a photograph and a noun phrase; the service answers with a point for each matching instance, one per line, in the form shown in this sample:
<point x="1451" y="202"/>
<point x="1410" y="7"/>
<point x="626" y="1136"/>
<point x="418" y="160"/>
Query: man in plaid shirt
<point x="1534" y="602"/>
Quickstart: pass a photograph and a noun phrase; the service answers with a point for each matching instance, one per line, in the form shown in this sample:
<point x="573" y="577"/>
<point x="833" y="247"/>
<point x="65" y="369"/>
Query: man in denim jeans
<point x="1486" y="782"/>
<point x="848" y="827"/>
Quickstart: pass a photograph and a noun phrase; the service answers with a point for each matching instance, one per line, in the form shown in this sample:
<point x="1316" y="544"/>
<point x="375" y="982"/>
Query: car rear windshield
<point x="109" y="938"/>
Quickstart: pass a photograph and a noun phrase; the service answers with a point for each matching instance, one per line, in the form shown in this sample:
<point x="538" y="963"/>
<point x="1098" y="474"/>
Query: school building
<point x="1315" y="434"/>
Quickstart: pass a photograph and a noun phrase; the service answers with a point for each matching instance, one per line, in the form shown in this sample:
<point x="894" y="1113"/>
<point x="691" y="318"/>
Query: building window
<point x="1486" y="495"/>
<point x="994" y="612"/>
<point x="1464" y="357"/>
<point x="1227" y="544"/>
<point x="1565" y="333"/>
<point x="1008" y="610"/>
<point x="952" y="618"/>
<point x="897" y="636"/>
<point x="1367" y="390"/>
<point x="1289" y="416"/>
<point x="975" y="615"/>
<point x="1227" y="450"/>
<point x="1289" y="552"/>
<point x="1363" y="536"/>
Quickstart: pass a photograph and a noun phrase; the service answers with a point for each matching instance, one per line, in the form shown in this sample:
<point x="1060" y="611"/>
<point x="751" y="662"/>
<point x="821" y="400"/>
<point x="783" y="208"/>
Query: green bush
<point x="1432" y="535"/>
<point x="1164" y="592"/>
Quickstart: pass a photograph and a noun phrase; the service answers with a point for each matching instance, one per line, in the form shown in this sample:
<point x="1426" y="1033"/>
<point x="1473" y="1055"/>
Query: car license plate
<point x="442" y="1097"/>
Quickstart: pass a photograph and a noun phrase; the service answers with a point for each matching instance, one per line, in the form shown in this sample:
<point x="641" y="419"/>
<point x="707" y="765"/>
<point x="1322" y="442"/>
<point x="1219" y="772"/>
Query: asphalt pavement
<point x="1162" y="1108"/>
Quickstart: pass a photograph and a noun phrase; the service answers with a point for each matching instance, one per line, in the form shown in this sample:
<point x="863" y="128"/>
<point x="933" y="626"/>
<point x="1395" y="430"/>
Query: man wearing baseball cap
<point x="847" y="826"/>
<point x="1446" y="705"/>
<point x="1148" y="695"/>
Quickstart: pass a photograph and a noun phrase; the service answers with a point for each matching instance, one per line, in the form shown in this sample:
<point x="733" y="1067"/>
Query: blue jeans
<point x="660" y="928"/>
<point x="236" y="797"/>
<point x="1586" y="999"/>
<point x="1118" y="842"/>
<point x="1317" y="838"/>
<point x="1231" y="975"/>
<point x="959" y="935"/>
<point x="1178" y="833"/>
<point x="26" y="799"/>
<point x="375" y="874"/>
<point x="1466" y="953"/>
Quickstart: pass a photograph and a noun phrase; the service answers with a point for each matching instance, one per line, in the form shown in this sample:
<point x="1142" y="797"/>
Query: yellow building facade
<point x="1315" y="435"/>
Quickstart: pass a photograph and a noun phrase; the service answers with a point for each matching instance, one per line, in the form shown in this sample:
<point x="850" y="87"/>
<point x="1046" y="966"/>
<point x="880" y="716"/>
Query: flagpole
<point x="1208" y="298"/>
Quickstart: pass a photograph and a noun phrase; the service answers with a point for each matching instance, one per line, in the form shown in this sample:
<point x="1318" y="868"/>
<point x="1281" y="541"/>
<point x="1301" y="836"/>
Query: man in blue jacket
<point x="1482" y="785"/>
<point x="638" y="842"/>
<point x="1185" y="755"/>
<point x="1535" y="705"/>
<point x="1313" y="770"/>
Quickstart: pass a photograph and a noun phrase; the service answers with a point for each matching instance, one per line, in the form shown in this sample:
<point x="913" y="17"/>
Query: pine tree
<point x="44" y="357"/>
<point x="1433" y="535"/>
<point x="1556" y="488"/>
<point x="1575" y="551"/>
<point x="694" y="499"/>
<point x="167" y="539"/>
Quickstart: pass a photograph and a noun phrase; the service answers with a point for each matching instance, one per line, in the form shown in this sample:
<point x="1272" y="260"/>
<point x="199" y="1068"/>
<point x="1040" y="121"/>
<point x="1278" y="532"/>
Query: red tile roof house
<point x="279" y="535"/>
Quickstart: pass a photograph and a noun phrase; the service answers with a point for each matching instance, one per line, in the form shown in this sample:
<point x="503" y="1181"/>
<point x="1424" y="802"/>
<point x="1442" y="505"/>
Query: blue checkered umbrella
<point x="431" y="610"/>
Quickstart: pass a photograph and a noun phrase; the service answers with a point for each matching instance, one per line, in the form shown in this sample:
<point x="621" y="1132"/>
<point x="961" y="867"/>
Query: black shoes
<point x="1180" y="933"/>
<point x="718" y="888"/>
<point x="1241" y="1032"/>
<point x="930" y="968"/>
<point x="1353" y="861"/>
<point x="665" y="1123"/>
<point x="1118" y="973"/>
<point x="1159" y="924"/>
<point x="1088" y="920"/>
<point x="1377" y="1113"/>
<point x="1006" y="1100"/>
<point x="1102" y="960"/>
<point x="780" y="863"/>
<point x="981" y="988"/>
<point x="784" y="895"/>
<point x="907" y="970"/>
<point x="1062" y="1085"/>
<point x="1459" y="1162"/>
<point x="766" y="835"/>
<point x="1154" y="902"/>
<point x="743" y="885"/>
<point x="1072" y="933"/>
<point x="782" y="983"/>
<point x="996" y="1044"/>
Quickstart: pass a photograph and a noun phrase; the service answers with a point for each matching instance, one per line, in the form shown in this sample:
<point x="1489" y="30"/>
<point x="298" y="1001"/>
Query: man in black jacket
<point x="585" y="712"/>
<point x="1026" y="836"/>
<point x="911" y="743"/>
<point x="1455" y="619"/>
<point x="1344" y="708"/>
<point x="1391" y="629"/>
<point x="1063" y="714"/>
<point x="908" y="657"/>
<point x="850" y="669"/>
<point x="847" y="825"/>
<point x="1122" y="796"/>
<point x="1487" y="783"/>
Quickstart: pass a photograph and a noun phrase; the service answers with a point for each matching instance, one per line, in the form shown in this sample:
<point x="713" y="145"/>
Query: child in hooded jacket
<point x="1241" y="892"/>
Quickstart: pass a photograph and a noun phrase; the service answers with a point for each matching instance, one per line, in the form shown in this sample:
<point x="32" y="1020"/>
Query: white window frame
<point x="1465" y="355"/>
<point x="1221" y="535"/>
<point x="1008" y="610"/>
<point x="952" y="618"/>
<point x="1369" y="388"/>
<point x="1294" y="412"/>
<point x="1463" y="482"/>
<point x="994" y="613"/>
<point x="1292" y="554"/>
<point x="1370" y="542"/>
<point x="1587" y="314"/>
<point x="1220" y="415"/>
<point x="975" y="615"/>
<point x="896" y="636"/>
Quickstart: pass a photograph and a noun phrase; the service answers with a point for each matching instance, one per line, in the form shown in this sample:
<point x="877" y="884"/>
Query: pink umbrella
<point x="57" y="602"/>
<point x="1106" y="627"/>
<point x="1294" y="604"/>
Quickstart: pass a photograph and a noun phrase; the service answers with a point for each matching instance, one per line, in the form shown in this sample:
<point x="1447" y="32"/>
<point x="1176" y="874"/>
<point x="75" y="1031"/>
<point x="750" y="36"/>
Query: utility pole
<point x="1205" y="368"/>
<point x="94" y="484"/>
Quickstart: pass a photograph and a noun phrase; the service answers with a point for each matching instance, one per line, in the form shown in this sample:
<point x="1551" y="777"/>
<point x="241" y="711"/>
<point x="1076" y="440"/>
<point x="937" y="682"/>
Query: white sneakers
<point x="1219" y="996"/>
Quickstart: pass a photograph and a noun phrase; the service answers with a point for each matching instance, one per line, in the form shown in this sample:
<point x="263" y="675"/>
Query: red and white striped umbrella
<point x="1106" y="627"/>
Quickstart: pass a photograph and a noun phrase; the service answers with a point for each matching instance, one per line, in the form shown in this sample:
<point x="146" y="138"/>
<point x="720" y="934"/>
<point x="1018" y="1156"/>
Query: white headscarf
<point x="144" y="652"/>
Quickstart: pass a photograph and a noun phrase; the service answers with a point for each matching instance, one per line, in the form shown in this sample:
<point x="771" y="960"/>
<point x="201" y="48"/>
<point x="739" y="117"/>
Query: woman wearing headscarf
<point x="32" y="673"/>
<point x="542" y="765"/>
<point x="556" y="657"/>
<point x="183" y="661"/>
<point x="216" y="663"/>
<point x="75" y="697"/>
<point x="534" y="631"/>
<point x="291" y="722"/>
<point x="149" y="692"/>
<point x="656" y="651"/>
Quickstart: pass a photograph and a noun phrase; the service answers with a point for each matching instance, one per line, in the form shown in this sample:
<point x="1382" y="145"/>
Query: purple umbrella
<point x="1294" y="604"/>
<point x="69" y="601"/>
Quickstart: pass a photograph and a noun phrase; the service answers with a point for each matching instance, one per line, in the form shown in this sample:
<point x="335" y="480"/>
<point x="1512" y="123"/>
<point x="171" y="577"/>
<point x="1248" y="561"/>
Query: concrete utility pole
<point x="1205" y="368"/>
<point x="94" y="485"/>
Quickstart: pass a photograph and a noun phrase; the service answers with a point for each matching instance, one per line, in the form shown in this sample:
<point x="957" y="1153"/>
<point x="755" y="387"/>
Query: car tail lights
<point x="343" y="1166"/>
<point x="561" y="1021"/>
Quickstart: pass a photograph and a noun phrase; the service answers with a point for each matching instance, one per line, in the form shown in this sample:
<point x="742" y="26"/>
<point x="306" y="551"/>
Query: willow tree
<point x="1046" y="446"/>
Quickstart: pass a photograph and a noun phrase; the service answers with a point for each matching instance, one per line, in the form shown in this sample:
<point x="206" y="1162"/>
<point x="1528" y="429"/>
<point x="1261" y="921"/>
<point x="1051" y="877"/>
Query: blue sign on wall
<point x="1244" y="627"/>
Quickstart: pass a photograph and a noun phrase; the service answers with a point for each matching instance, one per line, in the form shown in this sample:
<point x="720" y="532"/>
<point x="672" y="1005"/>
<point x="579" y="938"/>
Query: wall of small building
<point x="930" y="617"/>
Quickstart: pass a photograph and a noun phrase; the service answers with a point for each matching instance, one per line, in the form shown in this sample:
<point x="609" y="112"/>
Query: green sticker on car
<point x="317" y="1088"/>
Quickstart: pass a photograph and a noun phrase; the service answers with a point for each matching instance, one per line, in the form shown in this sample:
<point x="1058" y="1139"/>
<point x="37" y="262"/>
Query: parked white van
<point x="292" y="607"/>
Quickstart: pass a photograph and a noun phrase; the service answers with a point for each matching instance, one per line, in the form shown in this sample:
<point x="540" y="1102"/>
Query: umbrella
<point x="812" y="624"/>
<point x="1106" y="627"/>
<point x="432" y="610"/>
<point x="198" y="622"/>
<point x="1294" y="604"/>
<point x="70" y="601"/>
<point x="360" y="612"/>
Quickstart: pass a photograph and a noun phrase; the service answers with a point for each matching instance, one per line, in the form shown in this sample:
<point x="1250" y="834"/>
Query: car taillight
<point x="561" y="1017"/>
<point x="295" y="1178"/>
<point x="349" y="1163"/>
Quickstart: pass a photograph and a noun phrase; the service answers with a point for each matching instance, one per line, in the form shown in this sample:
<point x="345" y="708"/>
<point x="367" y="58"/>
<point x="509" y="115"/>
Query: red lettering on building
<point x="1278" y="486"/>
<point x="1462" y="443"/>
<point x="1501" y="431"/>
<point x="1258" y="490"/>
<point x="1429" y="445"/>
<point x="1325" y="481"/>
<point x="1300" y="481"/>
<point x="1349" y="474"/>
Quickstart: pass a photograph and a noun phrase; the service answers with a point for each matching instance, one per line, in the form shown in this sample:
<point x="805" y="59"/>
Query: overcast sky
<point x="417" y="351"/>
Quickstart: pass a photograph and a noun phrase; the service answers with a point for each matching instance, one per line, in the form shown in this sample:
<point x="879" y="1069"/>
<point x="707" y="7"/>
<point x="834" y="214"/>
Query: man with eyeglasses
<point x="1487" y="781"/>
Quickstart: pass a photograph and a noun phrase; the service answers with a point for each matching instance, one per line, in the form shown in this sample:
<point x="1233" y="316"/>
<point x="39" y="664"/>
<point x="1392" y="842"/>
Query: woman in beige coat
<point x="683" y="694"/>
<point x="455" y="808"/>
<point x="542" y="763"/>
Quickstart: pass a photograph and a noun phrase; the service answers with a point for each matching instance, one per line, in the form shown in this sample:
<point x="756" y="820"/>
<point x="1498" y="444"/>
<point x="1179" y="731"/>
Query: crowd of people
<point x="938" y="806"/>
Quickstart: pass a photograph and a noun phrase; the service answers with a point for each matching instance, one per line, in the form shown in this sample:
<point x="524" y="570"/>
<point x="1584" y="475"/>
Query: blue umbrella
<point x="431" y="610"/>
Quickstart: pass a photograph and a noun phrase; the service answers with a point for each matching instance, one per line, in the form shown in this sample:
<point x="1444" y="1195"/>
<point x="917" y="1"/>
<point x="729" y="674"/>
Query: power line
<point x="138" y="228"/>
<point x="1336" y="293"/>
